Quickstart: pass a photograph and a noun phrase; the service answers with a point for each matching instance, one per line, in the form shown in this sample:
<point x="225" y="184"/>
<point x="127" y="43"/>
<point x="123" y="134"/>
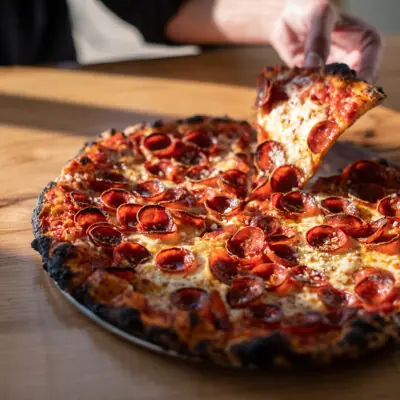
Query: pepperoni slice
<point x="244" y="290"/>
<point x="222" y="206"/>
<point x="365" y="272"/>
<point x="177" y="198"/>
<point x="113" y="198"/>
<point x="349" y="224"/>
<point x="338" y="205"/>
<point x="281" y="254"/>
<point x="154" y="218"/>
<point x="272" y="274"/>
<point x="390" y="205"/>
<point x="369" y="192"/>
<point x="374" y="230"/>
<point x="185" y="218"/>
<point x="322" y="135"/>
<point x="327" y="238"/>
<point x="159" y="144"/>
<point x="191" y="155"/>
<point x="200" y="138"/>
<point x="219" y="312"/>
<point x="127" y="215"/>
<point x="286" y="178"/>
<point x="247" y="242"/>
<point x="201" y="174"/>
<point x="222" y="266"/>
<point x="269" y="155"/>
<point x="261" y="191"/>
<point x="269" y="315"/>
<point x="106" y="179"/>
<point x="365" y="171"/>
<point x="176" y="260"/>
<point x="218" y="232"/>
<point x="306" y="323"/>
<point x="130" y="254"/>
<point x="296" y="204"/>
<point x="333" y="298"/>
<point x="149" y="189"/>
<point x="162" y="169"/>
<point x="374" y="289"/>
<point x="123" y="273"/>
<point x="308" y="276"/>
<point x="189" y="299"/>
<point x="89" y="216"/>
<point x="234" y="182"/>
<point x="80" y="199"/>
<point x="243" y="162"/>
<point x="270" y="225"/>
<point x="388" y="243"/>
<point x="264" y="90"/>
<point x="104" y="235"/>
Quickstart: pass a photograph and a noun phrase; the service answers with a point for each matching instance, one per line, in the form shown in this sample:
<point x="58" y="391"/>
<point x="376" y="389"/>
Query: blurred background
<point x="101" y="36"/>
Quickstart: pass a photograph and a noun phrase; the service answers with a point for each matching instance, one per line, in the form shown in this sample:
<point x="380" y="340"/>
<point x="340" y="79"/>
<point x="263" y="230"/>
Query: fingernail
<point x="313" y="59"/>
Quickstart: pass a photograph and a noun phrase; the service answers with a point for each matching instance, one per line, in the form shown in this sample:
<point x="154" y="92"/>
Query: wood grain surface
<point x="48" y="350"/>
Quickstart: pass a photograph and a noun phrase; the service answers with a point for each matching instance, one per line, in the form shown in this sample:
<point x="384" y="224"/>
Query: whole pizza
<point x="203" y="237"/>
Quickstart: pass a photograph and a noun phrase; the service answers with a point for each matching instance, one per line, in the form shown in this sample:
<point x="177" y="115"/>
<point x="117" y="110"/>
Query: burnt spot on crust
<point x="364" y="326"/>
<point x="340" y="69"/>
<point x="262" y="351"/>
<point x="219" y="120"/>
<point x="195" y="119"/>
<point x="85" y="160"/>
<point x="157" y="124"/>
<point x="167" y="339"/>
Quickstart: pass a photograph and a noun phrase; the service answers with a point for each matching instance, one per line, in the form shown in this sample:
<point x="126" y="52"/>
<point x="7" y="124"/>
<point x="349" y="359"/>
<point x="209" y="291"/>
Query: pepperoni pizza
<point x="197" y="237"/>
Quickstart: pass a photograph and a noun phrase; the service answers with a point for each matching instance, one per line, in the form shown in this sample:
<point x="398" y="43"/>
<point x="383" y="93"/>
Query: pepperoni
<point x="162" y="169"/>
<point x="233" y="182"/>
<point x="177" y="198"/>
<point x="281" y="254"/>
<point x="374" y="289"/>
<point x="127" y="215"/>
<point x="80" y="199"/>
<point x="130" y="254"/>
<point x="221" y="205"/>
<point x="149" y="189"/>
<point x="185" y="218"/>
<point x="333" y="298"/>
<point x="106" y="179"/>
<point x="306" y="323"/>
<point x="201" y="174"/>
<point x="160" y="144"/>
<point x="295" y="204"/>
<point x="113" y="198"/>
<point x="365" y="272"/>
<point x="244" y="290"/>
<point x="286" y="178"/>
<point x="219" y="233"/>
<point x="218" y="311"/>
<point x="272" y="274"/>
<point x="369" y="192"/>
<point x="189" y="299"/>
<point x="270" y="225"/>
<point x="243" y="162"/>
<point x="89" y="216"/>
<point x="222" y="266"/>
<point x="175" y="260"/>
<point x="308" y="276"/>
<point x="154" y="218"/>
<point x="123" y="273"/>
<point x="264" y="90"/>
<point x="327" y="238"/>
<point x="269" y="315"/>
<point x="374" y="230"/>
<point x="390" y="206"/>
<point x="247" y="242"/>
<point x="349" y="224"/>
<point x="190" y="155"/>
<point x="200" y="138"/>
<point x="269" y="155"/>
<point x="337" y="205"/>
<point x="388" y="243"/>
<point x="286" y="236"/>
<point x="365" y="171"/>
<point x="261" y="191"/>
<point x="104" y="234"/>
<point x="322" y="135"/>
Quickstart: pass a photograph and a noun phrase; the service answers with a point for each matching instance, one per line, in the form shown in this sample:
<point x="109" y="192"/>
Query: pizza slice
<point x="301" y="112"/>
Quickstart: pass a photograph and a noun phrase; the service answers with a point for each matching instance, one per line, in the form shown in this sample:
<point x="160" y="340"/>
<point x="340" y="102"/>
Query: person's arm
<point x="302" y="31"/>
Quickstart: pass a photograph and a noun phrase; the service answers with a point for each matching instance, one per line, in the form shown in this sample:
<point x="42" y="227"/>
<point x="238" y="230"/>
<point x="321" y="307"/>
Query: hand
<point x="313" y="32"/>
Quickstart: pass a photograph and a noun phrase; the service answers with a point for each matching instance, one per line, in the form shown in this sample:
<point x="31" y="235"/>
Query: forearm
<point x="224" y="21"/>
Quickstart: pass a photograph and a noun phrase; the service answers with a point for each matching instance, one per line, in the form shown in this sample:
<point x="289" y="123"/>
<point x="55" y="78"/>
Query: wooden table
<point x="50" y="351"/>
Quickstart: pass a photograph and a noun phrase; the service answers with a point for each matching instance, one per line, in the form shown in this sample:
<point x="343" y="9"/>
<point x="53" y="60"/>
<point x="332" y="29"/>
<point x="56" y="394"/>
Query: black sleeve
<point x="149" y="16"/>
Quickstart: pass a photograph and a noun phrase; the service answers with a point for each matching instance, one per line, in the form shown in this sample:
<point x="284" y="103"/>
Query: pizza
<point x="186" y="235"/>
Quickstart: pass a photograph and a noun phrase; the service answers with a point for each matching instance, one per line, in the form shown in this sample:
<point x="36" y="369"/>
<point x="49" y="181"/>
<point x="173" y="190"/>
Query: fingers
<point x="363" y="44"/>
<point x="318" y="41"/>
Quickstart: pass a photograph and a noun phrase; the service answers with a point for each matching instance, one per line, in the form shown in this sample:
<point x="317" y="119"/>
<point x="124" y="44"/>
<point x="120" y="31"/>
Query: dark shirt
<point x="39" y="31"/>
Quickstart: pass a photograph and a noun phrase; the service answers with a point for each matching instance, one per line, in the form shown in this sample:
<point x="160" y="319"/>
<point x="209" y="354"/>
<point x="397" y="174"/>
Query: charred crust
<point x="166" y="339"/>
<point x="219" y="120"/>
<point x="157" y="124"/>
<point x="37" y="228"/>
<point x="262" y="351"/>
<point x="340" y="69"/>
<point x="195" y="119"/>
<point x="363" y="326"/>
